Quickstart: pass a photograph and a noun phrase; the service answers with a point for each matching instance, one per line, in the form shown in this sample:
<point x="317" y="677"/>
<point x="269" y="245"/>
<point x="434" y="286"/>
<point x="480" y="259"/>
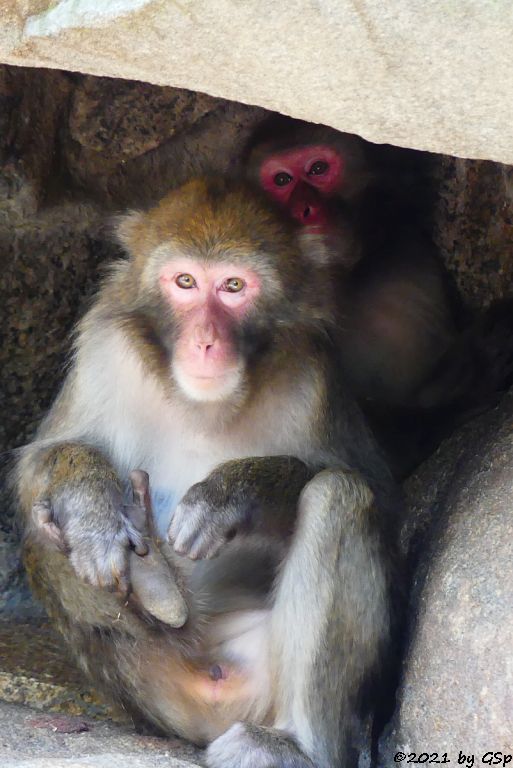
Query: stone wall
<point x="474" y="227"/>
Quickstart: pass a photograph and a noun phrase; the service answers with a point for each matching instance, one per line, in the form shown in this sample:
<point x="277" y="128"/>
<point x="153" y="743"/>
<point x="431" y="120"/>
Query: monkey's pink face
<point x="209" y="302"/>
<point x="302" y="180"/>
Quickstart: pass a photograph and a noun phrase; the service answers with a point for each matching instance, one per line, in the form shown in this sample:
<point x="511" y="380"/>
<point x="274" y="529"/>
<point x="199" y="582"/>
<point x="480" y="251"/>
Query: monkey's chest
<point x="184" y="459"/>
<point x="178" y="448"/>
<point x="173" y="475"/>
<point x="175" y="468"/>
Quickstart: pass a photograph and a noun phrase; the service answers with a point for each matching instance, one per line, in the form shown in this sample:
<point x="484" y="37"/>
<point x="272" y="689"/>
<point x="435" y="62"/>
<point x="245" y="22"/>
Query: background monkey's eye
<point x="185" y="281"/>
<point x="233" y="285"/>
<point x="318" y="168"/>
<point x="282" y="179"/>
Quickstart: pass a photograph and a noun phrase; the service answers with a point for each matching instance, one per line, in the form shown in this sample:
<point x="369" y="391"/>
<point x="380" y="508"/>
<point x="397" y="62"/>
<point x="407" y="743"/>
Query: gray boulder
<point x="456" y="695"/>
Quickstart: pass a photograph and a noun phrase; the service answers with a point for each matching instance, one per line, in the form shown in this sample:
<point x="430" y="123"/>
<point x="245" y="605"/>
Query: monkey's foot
<point x="251" y="746"/>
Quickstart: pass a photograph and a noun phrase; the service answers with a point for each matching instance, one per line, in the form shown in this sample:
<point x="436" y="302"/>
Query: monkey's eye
<point x="318" y="168"/>
<point x="185" y="281"/>
<point x="233" y="285"/>
<point x="282" y="179"/>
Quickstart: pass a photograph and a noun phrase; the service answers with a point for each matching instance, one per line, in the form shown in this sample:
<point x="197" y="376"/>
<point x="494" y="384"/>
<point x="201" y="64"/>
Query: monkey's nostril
<point x="204" y="346"/>
<point x="306" y="212"/>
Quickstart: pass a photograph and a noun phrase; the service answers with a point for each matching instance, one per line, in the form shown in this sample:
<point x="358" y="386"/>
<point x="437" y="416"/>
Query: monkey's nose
<point x="305" y="207"/>
<point x="204" y="337"/>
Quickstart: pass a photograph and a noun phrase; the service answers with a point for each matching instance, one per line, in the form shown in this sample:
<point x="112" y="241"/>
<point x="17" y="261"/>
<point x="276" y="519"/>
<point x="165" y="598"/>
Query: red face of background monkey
<point x="309" y="171"/>
<point x="302" y="180"/>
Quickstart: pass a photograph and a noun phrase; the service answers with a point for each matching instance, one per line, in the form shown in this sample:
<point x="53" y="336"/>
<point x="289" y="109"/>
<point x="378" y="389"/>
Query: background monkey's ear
<point x="128" y="229"/>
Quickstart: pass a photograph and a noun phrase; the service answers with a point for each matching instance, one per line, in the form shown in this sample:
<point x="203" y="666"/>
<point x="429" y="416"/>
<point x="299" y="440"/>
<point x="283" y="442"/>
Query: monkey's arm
<point x="73" y="504"/>
<point x="72" y="496"/>
<point x="254" y="494"/>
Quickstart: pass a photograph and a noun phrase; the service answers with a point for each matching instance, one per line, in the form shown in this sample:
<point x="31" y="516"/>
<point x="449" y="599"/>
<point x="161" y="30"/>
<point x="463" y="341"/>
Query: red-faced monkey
<point x="207" y="361"/>
<point x="339" y="189"/>
<point x="403" y="355"/>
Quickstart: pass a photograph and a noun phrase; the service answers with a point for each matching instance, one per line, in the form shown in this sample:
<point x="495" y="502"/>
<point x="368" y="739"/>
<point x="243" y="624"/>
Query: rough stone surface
<point x="474" y="227"/>
<point x="31" y="109"/>
<point x="62" y="721"/>
<point x="434" y="76"/>
<point x="31" y="740"/>
<point x="113" y="122"/>
<point x="35" y="670"/>
<point x="456" y="692"/>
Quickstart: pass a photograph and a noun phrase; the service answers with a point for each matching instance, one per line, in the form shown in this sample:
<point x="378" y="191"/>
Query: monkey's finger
<point x="183" y="542"/>
<point x="142" y="497"/>
<point x="137" y="516"/>
<point x="206" y="545"/>
<point x="122" y="584"/>
<point x="136" y="539"/>
<point x="42" y="511"/>
<point x="140" y="487"/>
<point x="113" y="572"/>
<point x="42" y="515"/>
<point x="188" y="520"/>
<point x="102" y="560"/>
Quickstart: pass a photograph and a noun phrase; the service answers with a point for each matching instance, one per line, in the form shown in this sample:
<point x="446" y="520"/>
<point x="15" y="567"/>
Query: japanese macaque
<point x="207" y="362"/>
<point x="364" y="207"/>
<point x="394" y="309"/>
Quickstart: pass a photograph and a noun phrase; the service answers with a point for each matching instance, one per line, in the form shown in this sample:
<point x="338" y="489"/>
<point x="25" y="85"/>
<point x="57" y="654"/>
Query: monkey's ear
<point x="128" y="229"/>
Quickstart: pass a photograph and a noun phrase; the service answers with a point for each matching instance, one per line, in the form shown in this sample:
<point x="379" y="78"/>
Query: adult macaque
<point x="360" y="205"/>
<point x="207" y="362"/>
<point x="345" y="192"/>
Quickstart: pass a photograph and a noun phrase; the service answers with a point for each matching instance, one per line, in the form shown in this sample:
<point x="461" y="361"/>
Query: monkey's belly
<point x="229" y="682"/>
<point x="237" y="679"/>
<point x="222" y="686"/>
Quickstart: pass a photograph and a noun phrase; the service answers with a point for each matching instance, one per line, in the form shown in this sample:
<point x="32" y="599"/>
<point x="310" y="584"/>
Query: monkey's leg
<point x="330" y="626"/>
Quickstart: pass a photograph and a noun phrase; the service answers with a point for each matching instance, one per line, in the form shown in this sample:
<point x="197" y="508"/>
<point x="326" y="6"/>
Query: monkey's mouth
<point x="208" y="387"/>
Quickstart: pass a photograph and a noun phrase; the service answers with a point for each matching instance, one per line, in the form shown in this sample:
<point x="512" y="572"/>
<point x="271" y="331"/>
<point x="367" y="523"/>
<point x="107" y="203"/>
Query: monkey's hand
<point x="81" y="511"/>
<point x="238" y="497"/>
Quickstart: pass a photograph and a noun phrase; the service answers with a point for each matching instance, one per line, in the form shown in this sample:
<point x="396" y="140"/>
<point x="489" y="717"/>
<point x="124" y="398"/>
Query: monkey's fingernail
<point x="42" y="511"/>
<point x="141" y="549"/>
<point x="139" y="498"/>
